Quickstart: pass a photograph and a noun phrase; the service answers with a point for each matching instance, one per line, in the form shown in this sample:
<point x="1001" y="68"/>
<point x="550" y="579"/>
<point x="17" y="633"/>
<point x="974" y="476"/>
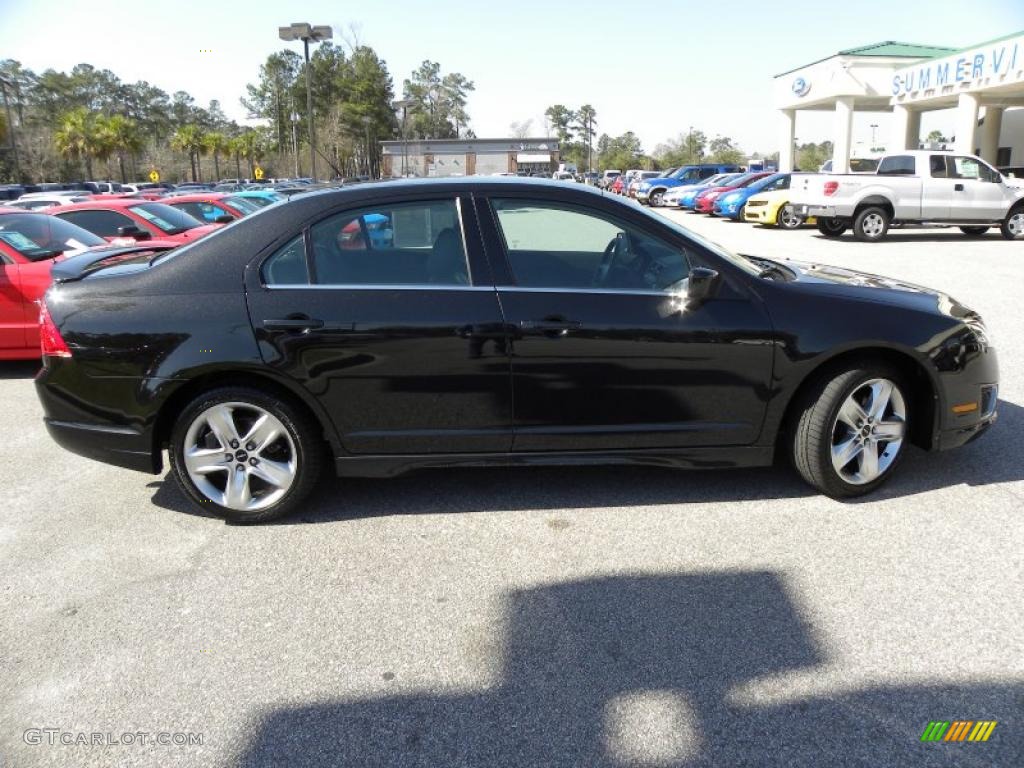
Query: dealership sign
<point x="989" y="65"/>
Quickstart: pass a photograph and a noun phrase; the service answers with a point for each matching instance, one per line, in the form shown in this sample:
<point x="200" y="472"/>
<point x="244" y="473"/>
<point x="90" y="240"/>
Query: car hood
<point x="849" y="283"/>
<point x="769" y="197"/>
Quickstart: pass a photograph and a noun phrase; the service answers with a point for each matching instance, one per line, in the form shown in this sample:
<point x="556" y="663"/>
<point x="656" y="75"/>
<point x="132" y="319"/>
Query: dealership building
<point x="466" y="157"/>
<point x="984" y="83"/>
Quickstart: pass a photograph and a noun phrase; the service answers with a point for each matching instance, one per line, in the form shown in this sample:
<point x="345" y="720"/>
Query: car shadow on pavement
<point x="19" y="369"/>
<point x="682" y="669"/>
<point x="994" y="458"/>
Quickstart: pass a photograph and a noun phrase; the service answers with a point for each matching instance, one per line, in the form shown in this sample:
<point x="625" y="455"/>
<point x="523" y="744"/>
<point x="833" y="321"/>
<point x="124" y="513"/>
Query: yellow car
<point x="772" y="209"/>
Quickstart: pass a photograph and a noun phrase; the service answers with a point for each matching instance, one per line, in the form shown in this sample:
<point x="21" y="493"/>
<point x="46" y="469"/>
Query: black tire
<point x="782" y="221"/>
<point x="815" y="418"/>
<point x="974" y="231"/>
<point x="656" y="198"/>
<point x="831" y="227"/>
<point x="871" y="224"/>
<point x="304" y="433"/>
<point x="1013" y="225"/>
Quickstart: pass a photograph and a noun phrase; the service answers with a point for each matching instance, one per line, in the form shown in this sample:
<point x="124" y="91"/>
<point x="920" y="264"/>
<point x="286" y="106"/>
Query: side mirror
<point x="700" y="286"/>
<point x="224" y="218"/>
<point x="130" y="230"/>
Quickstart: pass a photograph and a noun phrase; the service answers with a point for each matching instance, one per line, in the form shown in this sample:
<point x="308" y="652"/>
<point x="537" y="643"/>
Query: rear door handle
<point x="293" y="324"/>
<point x="958" y="187"/>
<point x="550" y="326"/>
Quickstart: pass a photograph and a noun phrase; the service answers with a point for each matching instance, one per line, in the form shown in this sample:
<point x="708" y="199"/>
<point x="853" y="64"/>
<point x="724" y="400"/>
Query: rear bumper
<point x="120" y="446"/>
<point x="817" y="211"/>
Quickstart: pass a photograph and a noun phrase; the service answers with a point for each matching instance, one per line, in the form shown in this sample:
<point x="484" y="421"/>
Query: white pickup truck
<point x="918" y="187"/>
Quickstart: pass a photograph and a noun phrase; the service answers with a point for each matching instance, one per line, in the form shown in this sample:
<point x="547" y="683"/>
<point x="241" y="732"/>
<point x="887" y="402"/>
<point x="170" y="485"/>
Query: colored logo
<point x="801" y="87"/>
<point x="958" y="730"/>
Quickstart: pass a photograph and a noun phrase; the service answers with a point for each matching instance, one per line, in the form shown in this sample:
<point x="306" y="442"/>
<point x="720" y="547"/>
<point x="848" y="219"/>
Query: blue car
<point x="674" y="195"/>
<point x="653" y="190"/>
<point x="730" y="205"/>
<point x="688" y="201"/>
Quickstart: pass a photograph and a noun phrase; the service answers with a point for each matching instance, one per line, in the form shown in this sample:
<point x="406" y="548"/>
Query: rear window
<point x="897" y="165"/>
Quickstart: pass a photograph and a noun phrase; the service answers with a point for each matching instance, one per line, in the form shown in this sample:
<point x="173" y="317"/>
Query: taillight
<point x="831" y="187"/>
<point x="50" y="340"/>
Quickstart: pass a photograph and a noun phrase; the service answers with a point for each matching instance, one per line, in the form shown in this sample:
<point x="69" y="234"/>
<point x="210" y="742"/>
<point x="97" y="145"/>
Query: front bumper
<point x="976" y="384"/>
<point x="757" y="214"/>
<point x="643" y="194"/>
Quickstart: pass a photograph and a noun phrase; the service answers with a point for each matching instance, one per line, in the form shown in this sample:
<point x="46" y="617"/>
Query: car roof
<point x="197" y="197"/>
<point x="108" y="202"/>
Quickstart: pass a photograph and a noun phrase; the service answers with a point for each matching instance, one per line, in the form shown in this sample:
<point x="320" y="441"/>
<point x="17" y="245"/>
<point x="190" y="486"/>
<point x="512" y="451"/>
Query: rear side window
<point x="102" y="223"/>
<point x="392" y="244"/>
<point x="937" y="166"/>
<point x="288" y="266"/>
<point x="897" y="165"/>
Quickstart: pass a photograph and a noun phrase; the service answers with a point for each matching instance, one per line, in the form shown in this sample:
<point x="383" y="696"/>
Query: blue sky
<point x="654" y="68"/>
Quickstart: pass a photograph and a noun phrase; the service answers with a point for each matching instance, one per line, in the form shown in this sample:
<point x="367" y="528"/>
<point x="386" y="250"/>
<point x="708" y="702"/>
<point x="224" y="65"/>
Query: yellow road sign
<point x="258" y="173"/>
<point x="154" y="175"/>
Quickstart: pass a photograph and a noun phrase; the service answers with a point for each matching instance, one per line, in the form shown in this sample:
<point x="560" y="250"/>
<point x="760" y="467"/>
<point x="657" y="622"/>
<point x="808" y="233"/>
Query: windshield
<point x="686" y="173"/>
<point x="169" y="220"/>
<point x="762" y="183"/>
<point x="37" y="236"/>
<point x="242" y="204"/>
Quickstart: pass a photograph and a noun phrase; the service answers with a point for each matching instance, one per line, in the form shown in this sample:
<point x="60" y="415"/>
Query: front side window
<point x="552" y="245"/>
<point x="897" y="165"/>
<point x="969" y="168"/>
<point x="102" y="223"/>
<point x="207" y="212"/>
<point x="391" y="244"/>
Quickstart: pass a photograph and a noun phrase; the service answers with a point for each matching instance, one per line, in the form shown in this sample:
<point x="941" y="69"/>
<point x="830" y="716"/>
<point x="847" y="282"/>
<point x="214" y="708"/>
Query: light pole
<point x="404" y="104"/>
<point x="4" y="82"/>
<point x="307" y="33"/>
<point x="295" y="141"/>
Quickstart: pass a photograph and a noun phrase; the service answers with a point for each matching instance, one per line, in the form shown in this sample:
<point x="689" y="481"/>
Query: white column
<point x="787" y="135"/>
<point x="912" y="137"/>
<point x="966" y="124"/>
<point x="843" y="132"/>
<point x="990" y="133"/>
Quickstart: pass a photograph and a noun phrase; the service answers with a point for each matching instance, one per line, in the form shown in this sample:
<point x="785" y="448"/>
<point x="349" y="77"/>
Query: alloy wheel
<point x="788" y="218"/>
<point x="240" y="456"/>
<point x="1015" y="224"/>
<point x="868" y="431"/>
<point x="873" y="225"/>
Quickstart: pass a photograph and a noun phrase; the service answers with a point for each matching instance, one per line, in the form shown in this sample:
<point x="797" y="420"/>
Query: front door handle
<point x="302" y="323"/>
<point x="958" y="187"/>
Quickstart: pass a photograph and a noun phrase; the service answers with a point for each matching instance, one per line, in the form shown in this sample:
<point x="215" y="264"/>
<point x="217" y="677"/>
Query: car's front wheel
<point x="974" y="231"/>
<point x="788" y="218"/>
<point x="1013" y="225"/>
<point x="657" y="198"/>
<point x="851" y="429"/>
<point x="244" y="454"/>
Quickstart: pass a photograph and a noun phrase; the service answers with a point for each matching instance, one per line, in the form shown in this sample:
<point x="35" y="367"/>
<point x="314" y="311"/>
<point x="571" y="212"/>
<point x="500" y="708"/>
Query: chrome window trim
<point x="600" y="291"/>
<point x="378" y="287"/>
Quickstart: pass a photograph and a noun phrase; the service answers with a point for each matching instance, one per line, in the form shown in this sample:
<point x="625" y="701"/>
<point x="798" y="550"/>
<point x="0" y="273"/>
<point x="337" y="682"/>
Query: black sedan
<point x="431" y="323"/>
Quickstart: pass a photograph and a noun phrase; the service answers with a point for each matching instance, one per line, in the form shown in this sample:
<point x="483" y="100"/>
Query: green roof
<point x="894" y="48"/>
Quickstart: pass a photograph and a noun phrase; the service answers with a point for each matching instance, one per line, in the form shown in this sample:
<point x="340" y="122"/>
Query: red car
<point x="30" y="243"/>
<point x="126" y="217"/>
<point x="705" y="201"/>
<point x="618" y="185"/>
<point x="212" y="207"/>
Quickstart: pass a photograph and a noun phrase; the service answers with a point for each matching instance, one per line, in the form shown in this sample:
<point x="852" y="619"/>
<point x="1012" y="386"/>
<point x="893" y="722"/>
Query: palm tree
<point x="236" y="146"/>
<point x="216" y="143"/>
<point x="252" y="148"/>
<point x="123" y="135"/>
<point x="188" y="140"/>
<point x="76" y="138"/>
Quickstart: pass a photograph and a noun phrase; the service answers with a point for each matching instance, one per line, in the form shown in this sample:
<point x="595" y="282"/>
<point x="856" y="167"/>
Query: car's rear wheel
<point x="851" y="429"/>
<point x="1013" y="225"/>
<point x="831" y="227"/>
<point x="657" y="198"/>
<point x="788" y="219"/>
<point x="974" y="231"/>
<point x="871" y="224"/>
<point x="245" y="455"/>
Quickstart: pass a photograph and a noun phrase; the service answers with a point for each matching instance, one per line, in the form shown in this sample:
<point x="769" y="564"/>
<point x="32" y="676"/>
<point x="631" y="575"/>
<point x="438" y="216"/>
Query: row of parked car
<point x="42" y="228"/>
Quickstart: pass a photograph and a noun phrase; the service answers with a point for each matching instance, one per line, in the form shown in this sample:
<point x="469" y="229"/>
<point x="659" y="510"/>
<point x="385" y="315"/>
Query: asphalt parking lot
<point x="533" y="617"/>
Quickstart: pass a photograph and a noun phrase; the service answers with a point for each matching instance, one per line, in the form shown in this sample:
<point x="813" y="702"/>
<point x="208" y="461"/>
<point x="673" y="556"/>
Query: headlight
<point x="977" y="327"/>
